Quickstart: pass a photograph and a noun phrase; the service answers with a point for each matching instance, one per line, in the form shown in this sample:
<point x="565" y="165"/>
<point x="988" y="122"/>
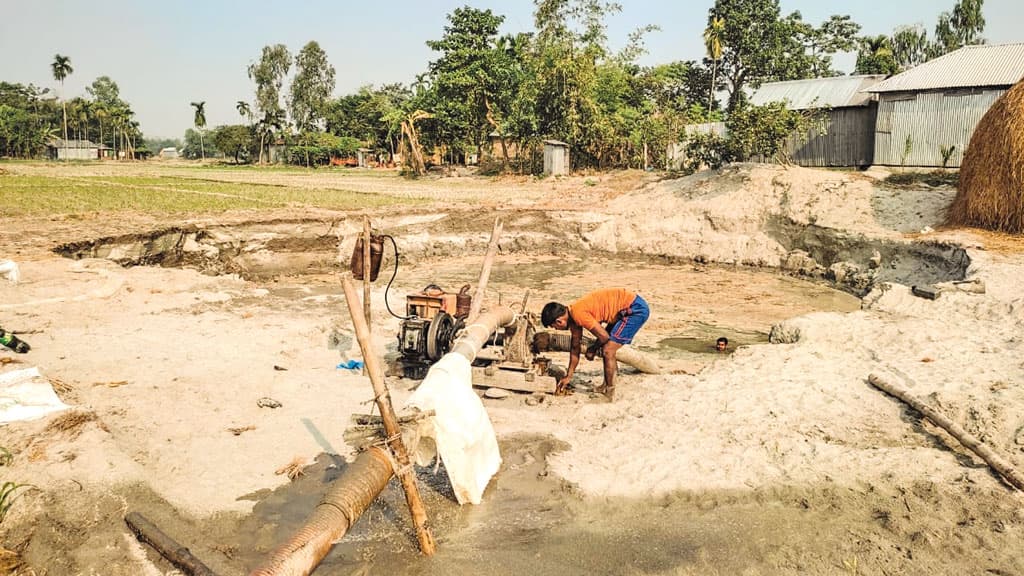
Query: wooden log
<point x="373" y="419"/>
<point x="485" y="273"/>
<point x="994" y="460"/>
<point x="175" y="553"/>
<point x="382" y="397"/>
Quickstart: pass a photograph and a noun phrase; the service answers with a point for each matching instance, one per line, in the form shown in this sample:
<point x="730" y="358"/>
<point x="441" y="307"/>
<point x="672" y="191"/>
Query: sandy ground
<point x="782" y="456"/>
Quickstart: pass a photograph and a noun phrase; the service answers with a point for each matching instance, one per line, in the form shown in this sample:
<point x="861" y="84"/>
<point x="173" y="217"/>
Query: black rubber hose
<point x="393" y="275"/>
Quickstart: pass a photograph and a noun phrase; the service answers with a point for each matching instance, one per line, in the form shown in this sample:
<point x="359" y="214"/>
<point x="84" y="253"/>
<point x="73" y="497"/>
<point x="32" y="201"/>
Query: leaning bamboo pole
<point x="995" y="461"/>
<point x="387" y="412"/>
<point x="485" y="272"/>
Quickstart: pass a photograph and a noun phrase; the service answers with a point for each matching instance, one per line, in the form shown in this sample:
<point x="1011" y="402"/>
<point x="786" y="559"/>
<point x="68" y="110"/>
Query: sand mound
<point x="735" y="215"/>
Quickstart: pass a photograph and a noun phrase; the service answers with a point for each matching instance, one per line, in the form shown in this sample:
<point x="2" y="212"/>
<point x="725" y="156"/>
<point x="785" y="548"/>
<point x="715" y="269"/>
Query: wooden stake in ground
<point x="995" y="461"/>
<point x="175" y="553"/>
<point x="383" y="399"/>
<point x="366" y="276"/>
<point x="485" y="273"/>
<point x="366" y="269"/>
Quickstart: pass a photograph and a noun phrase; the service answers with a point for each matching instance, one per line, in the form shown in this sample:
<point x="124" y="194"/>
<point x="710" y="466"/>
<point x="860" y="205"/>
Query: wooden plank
<point x="514" y="381"/>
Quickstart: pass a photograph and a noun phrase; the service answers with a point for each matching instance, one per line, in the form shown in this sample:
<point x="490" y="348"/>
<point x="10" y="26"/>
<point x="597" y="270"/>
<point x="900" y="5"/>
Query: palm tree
<point x="713" y="43"/>
<point x="200" y="122"/>
<point x="271" y="122"/>
<point x="244" y="110"/>
<point x="100" y="111"/>
<point x="62" y="69"/>
<point x="84" y="110"/>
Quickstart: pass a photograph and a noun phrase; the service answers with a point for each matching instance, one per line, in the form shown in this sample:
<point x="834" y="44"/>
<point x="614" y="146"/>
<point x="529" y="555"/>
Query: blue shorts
<point x="632" y="319"/>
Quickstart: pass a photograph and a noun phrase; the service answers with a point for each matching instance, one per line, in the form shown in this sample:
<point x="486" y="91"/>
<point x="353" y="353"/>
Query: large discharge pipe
<point x="561" y="342"/>
<point x="362" y="481"/>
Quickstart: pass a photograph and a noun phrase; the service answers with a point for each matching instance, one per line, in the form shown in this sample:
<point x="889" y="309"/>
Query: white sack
<point x="461" y="428"/>
<point x="26" y="395"/>
<point x="9" y="270"/>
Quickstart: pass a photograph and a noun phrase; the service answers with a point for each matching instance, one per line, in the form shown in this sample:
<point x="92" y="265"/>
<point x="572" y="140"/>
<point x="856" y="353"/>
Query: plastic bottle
<point x="13" y="342"/>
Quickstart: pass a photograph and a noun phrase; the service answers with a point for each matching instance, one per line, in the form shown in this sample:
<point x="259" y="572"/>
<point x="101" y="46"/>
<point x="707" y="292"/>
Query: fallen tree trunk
<point x="995" y="461"/>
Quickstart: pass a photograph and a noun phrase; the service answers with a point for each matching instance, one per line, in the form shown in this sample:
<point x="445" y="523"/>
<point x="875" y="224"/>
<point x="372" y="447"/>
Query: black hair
<point x="722" y="340"/>
<point x="552" y="311"/>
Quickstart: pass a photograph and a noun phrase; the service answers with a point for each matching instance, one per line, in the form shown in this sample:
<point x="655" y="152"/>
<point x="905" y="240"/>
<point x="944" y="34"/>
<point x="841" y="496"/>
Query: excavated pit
<point x="266" y="250"/>
<point x="539" y="253"/>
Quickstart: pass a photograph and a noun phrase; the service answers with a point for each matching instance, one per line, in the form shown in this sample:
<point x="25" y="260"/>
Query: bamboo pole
<point x="175" y="553"/>
<point x="485" y="273"/>
<point x="366" y="270"/>
<point x="995" y="461"/>
<point x="391" y="427"/>
<point x="366" y="276"/>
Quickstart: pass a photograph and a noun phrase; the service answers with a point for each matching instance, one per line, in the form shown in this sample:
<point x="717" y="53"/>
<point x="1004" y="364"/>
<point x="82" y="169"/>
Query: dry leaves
<point x="237" y="431"/>
<point x="293" y="469"/>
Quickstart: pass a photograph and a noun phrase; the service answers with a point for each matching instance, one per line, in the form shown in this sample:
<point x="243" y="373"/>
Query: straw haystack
<point x="991" y="193"/>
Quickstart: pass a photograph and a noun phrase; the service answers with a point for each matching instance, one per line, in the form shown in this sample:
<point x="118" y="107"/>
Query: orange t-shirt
<point x="600" y="306"/>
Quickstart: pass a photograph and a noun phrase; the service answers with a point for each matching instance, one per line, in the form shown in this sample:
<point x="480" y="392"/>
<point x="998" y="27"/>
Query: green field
<point x="34" y="195"/>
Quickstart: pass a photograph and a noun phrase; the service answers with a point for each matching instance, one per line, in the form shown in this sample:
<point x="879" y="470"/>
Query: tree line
<point x="33" y="117"/>
<point x="499" y="96"/>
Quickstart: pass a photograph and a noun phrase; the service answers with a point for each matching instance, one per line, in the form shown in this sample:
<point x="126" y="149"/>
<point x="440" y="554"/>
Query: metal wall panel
<point x="848" y="140"/>
<point x="931" y="121"/>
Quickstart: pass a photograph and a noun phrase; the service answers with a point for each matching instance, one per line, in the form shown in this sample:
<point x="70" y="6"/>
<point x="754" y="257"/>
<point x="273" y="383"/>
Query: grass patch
<point x="935" y="179"/>
<point x="39" y="195"/>
<point x="7" y="496"/>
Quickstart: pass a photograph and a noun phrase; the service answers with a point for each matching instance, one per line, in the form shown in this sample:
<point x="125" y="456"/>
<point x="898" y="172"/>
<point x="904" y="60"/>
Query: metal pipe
<point x="475" y="335"/>
<point x="362" y="481"/>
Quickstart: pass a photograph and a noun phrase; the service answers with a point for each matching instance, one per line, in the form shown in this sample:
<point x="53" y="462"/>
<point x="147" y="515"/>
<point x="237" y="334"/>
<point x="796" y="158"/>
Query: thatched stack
<point x="991" y="193"/>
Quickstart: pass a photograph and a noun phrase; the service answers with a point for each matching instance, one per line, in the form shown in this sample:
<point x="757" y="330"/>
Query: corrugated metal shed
<point x="969" y="67"/>
<point x="837" y="92"/>
<point x="915" y="129"/>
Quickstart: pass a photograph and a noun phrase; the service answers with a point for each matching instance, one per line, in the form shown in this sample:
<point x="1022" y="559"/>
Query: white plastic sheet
<point x="27" y="395"/>
<point x="461" y="429"/>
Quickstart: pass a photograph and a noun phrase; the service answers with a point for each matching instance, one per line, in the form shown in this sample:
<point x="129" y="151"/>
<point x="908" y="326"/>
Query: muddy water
<point x="530" y="522"/>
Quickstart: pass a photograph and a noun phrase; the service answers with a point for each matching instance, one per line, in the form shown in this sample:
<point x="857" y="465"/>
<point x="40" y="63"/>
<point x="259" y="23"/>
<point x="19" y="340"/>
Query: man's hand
<point x="592" y="350"/>
<point x="563" y="385"/>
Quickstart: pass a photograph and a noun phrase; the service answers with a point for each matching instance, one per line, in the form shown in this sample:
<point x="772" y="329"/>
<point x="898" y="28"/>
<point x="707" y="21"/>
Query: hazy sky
<point x="164" y="54"/>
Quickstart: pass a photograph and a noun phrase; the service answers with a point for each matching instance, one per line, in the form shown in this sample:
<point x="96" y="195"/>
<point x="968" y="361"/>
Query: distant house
<point x="556" y="157"/>
<point x="169" y="152"/>
<point x="277" y="152"/>
<point x="846" y="135"/>
<point x="495" y="146"/>
<point x="73" y="150"/>
<point x="931" y="110"/>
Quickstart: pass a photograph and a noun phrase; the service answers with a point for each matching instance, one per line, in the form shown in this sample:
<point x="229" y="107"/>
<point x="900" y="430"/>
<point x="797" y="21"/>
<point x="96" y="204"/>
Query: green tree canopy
<point x="311" y="87"/>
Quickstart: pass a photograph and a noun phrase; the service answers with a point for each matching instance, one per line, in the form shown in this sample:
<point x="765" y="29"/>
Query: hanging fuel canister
<point x="376" y="253"/>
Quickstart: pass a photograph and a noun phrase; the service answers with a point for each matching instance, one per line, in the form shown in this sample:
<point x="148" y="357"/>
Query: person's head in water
<point x="721" y="344"/>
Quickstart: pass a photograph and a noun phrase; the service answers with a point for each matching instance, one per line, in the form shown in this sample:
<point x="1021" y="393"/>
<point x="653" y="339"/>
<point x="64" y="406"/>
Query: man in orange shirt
<point x="612" y="315"/>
